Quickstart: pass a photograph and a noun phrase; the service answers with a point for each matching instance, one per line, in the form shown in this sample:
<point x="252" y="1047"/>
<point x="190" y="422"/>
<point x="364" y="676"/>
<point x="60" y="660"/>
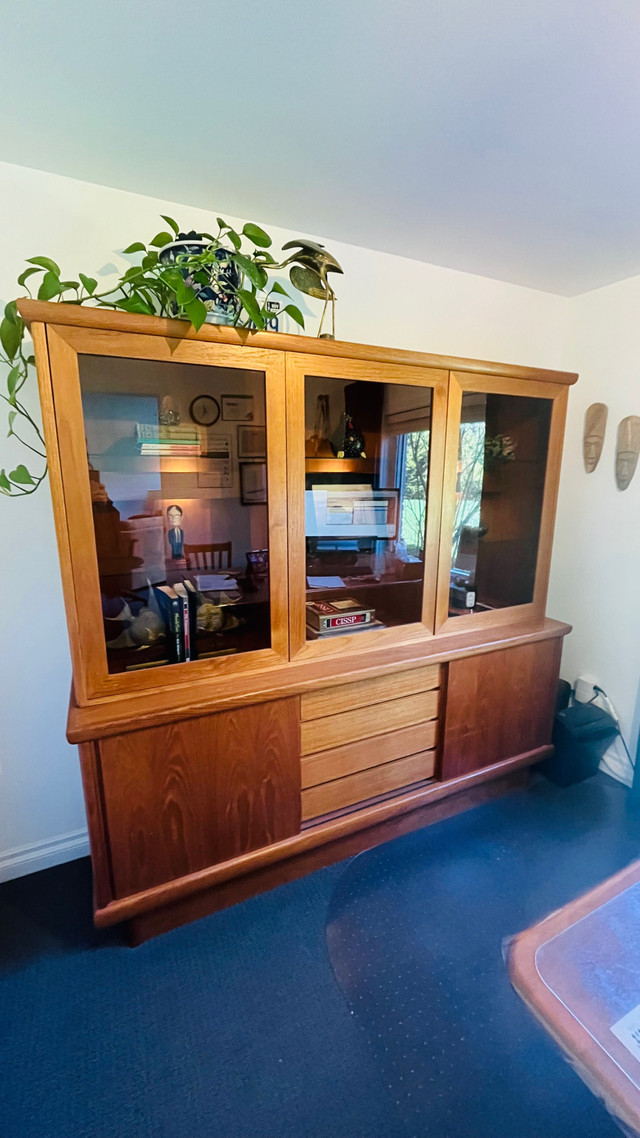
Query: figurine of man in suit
<point x="175" y="533"/>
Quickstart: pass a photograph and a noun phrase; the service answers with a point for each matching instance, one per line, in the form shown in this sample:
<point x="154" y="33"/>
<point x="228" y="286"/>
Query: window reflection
<point x="501" y="471"/>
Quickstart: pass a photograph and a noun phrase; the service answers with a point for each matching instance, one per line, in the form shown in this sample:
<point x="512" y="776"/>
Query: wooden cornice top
<point x="44" y="312"/>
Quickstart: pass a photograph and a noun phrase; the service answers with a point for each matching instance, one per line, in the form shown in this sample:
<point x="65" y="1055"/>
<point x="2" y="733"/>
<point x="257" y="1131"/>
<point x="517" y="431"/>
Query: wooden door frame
<point x="558" y="395"/>
<point x="73" y="512"/>
<point x="298" y="366"/>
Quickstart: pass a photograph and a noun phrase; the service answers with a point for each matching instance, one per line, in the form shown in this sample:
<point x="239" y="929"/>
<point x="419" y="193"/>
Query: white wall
<point x="382" y="300"/>
<point x="594" y="573"/>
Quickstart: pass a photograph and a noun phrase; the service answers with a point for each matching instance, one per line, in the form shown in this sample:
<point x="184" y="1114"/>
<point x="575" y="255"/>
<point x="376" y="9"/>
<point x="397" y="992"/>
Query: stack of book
<point x="178" y="606"/>
<point x="171" y="441"/>
<point x="333" y="618"/>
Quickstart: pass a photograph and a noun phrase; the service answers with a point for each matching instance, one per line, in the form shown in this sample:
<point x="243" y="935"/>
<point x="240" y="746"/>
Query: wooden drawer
<point x="362" y="693"/>
<point x="340" y="761"/>
<point x="366" y="784"/>
<point x="364" y="722"/>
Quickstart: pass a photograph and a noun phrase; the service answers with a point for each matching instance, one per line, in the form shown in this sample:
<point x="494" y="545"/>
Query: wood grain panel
<point x="329" y="701"/>
<point x="499" y="705"/>
<point x="73" y="316"/>
<point x="359" y="787"/>
<point x="103" y="891"/>
<point x="366" y="753"/>
<point x="349" y="726"/>
<point x="186" y="796"/>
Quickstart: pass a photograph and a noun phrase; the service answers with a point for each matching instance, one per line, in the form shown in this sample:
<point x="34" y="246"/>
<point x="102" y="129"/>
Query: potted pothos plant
<point x="186" y="275"/>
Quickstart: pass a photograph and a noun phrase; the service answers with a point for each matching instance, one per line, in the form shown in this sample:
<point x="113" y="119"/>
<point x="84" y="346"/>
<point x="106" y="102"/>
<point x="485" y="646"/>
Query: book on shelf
<point x="315" y="634"/>
<point x="325" y="616"/>
<point x="178" y="606"/>
<point x="156" y="439"/>
<point x="170" y="606"/>
<point x="158" y="432"/>
<point x="189" y="618"/>
<point x="170" y="449"/>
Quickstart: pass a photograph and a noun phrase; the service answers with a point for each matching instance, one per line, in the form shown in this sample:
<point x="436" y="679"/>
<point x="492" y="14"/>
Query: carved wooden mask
<point x="595" y="422"/>
<point x="627" y="450"/>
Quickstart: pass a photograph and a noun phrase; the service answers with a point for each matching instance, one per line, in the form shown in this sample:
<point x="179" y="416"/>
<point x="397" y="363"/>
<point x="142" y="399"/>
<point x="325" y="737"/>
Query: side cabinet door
<point x="181" y="797"/>
<point x="499" y="705"/>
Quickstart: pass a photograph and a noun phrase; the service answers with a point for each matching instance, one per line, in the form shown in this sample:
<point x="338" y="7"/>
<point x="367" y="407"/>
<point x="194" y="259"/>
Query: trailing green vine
<point x="164" y="283"/>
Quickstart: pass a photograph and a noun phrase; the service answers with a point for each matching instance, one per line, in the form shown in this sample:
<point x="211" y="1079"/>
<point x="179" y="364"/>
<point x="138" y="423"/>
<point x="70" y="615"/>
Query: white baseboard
<point x="42" y="855"/>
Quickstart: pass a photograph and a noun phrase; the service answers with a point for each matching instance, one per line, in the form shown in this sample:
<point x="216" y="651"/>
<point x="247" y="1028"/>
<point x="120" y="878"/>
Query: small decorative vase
<point x="347" y="441"/>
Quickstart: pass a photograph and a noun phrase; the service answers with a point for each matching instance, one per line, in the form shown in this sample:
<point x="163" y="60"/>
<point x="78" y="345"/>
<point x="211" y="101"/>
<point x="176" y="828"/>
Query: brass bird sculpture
<point x="311" y="265"/>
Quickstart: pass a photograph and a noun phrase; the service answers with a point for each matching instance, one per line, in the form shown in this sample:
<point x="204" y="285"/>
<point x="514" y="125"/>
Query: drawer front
<point x="362" y="723"/>
<point x="362" y="693"/>
<point x="340" y="761"/>
<point x="354" y="788"/>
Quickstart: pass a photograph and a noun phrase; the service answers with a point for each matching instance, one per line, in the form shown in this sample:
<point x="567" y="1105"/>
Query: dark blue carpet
<point x="367" y="1000"/>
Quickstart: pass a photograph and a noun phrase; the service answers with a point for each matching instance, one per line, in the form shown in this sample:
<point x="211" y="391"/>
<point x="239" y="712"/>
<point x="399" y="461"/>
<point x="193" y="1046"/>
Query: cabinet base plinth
<point x="202" y="904"/>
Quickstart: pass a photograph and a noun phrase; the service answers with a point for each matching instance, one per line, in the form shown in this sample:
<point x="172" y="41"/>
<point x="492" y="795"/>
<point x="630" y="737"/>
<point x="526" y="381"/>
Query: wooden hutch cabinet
<point x="305" y="586"/>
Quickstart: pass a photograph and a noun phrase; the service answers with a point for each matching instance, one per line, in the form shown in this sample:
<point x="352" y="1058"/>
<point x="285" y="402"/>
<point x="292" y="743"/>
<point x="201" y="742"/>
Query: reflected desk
<point x="579" y="973"/>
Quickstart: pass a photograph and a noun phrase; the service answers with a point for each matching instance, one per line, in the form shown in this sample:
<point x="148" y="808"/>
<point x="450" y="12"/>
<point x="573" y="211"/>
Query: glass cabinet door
<point x="502" y="452"/>
<point x="364" y="452"/>
<point x="175" y="456"/>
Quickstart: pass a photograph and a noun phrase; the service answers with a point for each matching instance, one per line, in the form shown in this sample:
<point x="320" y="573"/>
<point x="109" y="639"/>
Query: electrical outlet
<point x="583" y="689"/>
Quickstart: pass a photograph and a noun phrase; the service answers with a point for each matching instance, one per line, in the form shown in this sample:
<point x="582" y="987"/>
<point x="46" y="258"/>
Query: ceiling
<point x="500" y="138"/>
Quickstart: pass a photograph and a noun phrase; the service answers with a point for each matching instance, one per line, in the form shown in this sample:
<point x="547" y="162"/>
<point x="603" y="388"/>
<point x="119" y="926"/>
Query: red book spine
<point x="344" y="620"/>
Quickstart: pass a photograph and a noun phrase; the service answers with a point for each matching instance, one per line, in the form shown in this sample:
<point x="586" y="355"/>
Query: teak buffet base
<point x="195" y="808"/>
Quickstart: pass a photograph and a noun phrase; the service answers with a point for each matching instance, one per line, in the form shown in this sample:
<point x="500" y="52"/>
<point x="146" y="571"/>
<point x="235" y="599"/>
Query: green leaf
<point x="66" y="285"/>
<point x="133" y="273"/>
<point x="4" y="482"/>
<point x="50" y="286"/>
<point x="10" y="337"/>
<point x="45" y="263"/>
<point x="136" y="247"/>
<point x="234" y="238"/>
<point x="24" y="277"/>
<point x="21" y="476"/>
<point x="257" y="235"/>
<point x="222" y="223"/>
<point x="161" y="239"/>
<point x="256" y="274"/>
<point x="150" y="260"/>
<point x="171" y="223"/>
<point x="251" y="307"/>
<point x="294" y="313"/>
<point x="11" y="313"/>
<point x="133" y="304"/>
<point x="173" y="277"/>
<point x="275" y="287"/>
<point x="197" y="312"/>
<point x="12" y="418"/>
<point x="184" y="294"/>
<point x="13" y="380"/>
<point x="307" y="280"/>
<point x="264" y="258"/>
<point x="90" y="283"/>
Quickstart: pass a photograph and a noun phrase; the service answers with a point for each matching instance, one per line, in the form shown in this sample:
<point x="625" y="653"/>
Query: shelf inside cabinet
<point x="340" y="465"/>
